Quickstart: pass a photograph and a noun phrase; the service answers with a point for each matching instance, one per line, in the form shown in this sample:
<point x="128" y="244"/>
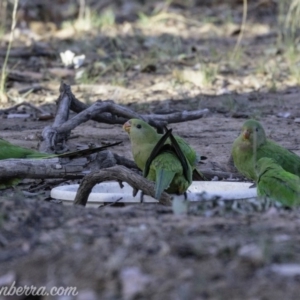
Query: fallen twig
<point x="7" y="110"/>
<point x="29" y="51"/>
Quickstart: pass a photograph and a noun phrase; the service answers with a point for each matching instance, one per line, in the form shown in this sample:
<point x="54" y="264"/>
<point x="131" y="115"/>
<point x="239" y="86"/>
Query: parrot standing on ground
<point x="277" y="184"/>
<point x="8" y="150"/>
<point x="166" y="168"/>
<point x="252" y="144"/>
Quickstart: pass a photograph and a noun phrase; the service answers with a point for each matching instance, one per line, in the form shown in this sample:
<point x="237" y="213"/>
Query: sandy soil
<point x="144" y="251"/>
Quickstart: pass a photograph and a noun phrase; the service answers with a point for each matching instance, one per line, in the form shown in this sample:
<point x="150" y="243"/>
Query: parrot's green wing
<point x="287" y="159"/>
<point x="181" y="157"/>
<point x="192" y="156"/>
<point x="166" y="172"/>
<point x="156" y="151"/>
<point x="277" y="184"/>
<point x="161" y="147"/>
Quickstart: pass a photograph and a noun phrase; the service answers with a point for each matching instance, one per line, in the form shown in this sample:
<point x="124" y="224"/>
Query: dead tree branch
<point x="60" y="167"/>
<point x="117" y="173"/>
<point x="101" y="111"/>
<point x="113" y="113"/>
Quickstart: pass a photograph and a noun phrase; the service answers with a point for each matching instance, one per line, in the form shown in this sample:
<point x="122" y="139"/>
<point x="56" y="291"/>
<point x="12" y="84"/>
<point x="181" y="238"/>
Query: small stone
<point x="134" y="282"/>
<point x="251" y="253"/>
<point x="297" y="120"/>
<point x="287" y="270"/>
<point x="285" y="114"/>
<point x="87" y="295"/>
<point x="7" y="279"/>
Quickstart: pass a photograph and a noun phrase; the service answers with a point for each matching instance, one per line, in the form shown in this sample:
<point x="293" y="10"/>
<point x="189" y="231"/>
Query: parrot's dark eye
<point x="256" y="129"/>
<point x="138" y="126"/>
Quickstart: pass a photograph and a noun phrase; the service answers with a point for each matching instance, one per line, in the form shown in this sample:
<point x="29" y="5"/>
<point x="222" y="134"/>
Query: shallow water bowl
<point x="225" y="189"/>
<point x="106" y="192"/>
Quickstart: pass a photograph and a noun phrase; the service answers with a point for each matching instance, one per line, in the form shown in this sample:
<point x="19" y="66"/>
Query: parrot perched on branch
<point x="8" y="150"/>
<point x="166" y="167"/>
<point x="252" y="144"/>
<point x="277" y="184"/>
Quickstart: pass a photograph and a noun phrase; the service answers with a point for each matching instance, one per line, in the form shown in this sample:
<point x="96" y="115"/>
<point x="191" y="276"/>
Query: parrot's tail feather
<point x="40" y="155"/>
<point x="163" y="180"/>
<point x="73" y="154"/>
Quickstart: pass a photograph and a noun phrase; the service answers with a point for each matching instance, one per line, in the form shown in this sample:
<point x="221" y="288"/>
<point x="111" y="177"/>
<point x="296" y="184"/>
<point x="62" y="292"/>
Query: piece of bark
<point x="35" y="50"/>
<point x="9" y="109"/>
<point x="117" y="173"/>
<point x="32" y="89"/>
<point x="51" y="135"/>
<point x="39" y="169"/>
<point x="24" y="76"/>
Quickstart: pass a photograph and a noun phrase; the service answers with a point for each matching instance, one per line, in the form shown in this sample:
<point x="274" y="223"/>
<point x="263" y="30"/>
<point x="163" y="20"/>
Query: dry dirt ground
<point x="144" y="251"/>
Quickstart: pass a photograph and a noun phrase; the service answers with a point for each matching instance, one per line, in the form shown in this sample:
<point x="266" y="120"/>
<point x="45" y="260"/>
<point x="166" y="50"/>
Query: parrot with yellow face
<point x="252" y="144"/>
<point x="169" y="170"/>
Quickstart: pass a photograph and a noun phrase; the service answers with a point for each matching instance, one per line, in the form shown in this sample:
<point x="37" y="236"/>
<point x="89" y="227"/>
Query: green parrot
<point x="166" y="169"/>
<point x="8" y="150"/>
<point x="252" y="144"/>
<point x="277" y="184"/>
<point x="141" y="151"/>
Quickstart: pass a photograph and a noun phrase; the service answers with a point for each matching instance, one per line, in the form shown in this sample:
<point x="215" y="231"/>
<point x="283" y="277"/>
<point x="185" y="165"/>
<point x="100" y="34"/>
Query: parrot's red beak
<point x="246" y="134"/>
<point x="127" y="126"/>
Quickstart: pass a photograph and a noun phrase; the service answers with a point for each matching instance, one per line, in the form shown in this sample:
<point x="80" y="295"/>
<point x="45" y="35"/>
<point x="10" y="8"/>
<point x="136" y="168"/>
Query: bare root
<point x="117" y="173"/>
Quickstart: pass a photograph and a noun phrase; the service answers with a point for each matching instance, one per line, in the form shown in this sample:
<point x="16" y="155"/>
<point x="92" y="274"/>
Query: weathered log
<point x="40" y="169"/>
<point x="60" y="167"/>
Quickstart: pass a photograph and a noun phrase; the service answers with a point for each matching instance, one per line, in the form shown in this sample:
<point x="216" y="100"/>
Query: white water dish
<point x="108" y="192"/>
